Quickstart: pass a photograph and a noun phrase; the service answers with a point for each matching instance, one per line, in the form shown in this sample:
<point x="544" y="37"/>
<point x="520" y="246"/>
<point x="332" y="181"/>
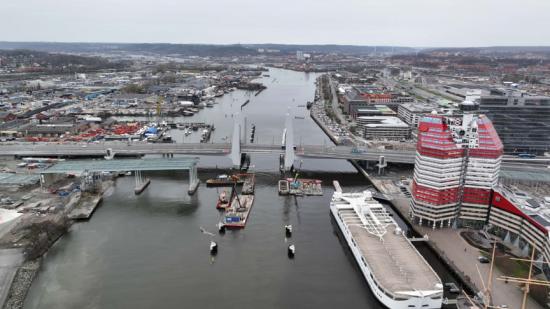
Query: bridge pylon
<point x="236" y="141"/>
<point x="290" y="155"/>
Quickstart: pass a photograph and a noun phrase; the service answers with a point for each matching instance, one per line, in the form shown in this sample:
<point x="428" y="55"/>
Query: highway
<point x="305" y="151"/>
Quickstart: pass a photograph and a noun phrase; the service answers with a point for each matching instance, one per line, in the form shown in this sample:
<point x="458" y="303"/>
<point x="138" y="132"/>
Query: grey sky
<point x="360" y="22"/>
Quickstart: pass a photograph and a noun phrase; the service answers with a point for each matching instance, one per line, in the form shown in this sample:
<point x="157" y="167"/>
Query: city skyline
<point x="366" y="23"/>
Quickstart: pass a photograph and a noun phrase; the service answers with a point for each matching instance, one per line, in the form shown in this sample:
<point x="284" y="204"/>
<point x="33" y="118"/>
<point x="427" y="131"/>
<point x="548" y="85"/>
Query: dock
<point x="86" y="207"/>
<point x="237" y="215"/>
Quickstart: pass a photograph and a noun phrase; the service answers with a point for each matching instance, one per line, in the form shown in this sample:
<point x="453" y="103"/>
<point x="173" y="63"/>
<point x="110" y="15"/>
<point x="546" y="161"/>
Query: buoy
<point x="213" y="248"/>
<point x="291" y="251"/>
<point x="221" y="228"/>
<point x="288" y="230"/>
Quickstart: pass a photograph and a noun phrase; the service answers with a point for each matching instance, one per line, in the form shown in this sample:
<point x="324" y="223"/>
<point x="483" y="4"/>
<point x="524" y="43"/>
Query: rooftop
<point x="382" y="121"/>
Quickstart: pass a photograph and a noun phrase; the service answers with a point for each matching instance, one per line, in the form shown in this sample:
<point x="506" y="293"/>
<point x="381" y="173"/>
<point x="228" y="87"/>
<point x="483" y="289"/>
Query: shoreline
<point x="28" y="270"/>
<point x="438" y="253"/>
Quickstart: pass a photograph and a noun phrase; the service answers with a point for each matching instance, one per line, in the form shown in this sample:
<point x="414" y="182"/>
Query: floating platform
<point x="225" y="182"/>
<point x="86" y="207"/>
<point x="249" y="183"/>
<point x="138" y="189"/>
<point x="300" y="186"/>
<point x="237" y="215"/>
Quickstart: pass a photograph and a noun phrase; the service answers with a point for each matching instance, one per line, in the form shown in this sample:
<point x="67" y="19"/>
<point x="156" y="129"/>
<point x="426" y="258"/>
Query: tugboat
<point x="223" y="201"/>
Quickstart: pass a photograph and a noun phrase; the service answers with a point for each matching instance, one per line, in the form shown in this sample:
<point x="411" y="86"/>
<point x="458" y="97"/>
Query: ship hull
<point x="385" y="299"/>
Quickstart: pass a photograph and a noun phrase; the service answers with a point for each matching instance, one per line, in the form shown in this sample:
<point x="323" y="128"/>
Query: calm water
<point x="148" y="251"/>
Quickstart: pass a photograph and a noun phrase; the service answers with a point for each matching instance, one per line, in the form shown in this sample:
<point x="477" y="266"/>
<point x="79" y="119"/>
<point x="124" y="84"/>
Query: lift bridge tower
<point x="287" y="141"/>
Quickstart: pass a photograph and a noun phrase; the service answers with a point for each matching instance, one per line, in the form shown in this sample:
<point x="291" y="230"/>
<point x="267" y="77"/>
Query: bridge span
<point x="224" y="149"/>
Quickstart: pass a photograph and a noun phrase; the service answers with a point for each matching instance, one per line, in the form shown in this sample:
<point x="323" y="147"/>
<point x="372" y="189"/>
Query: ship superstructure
<point x="397" y="274"/>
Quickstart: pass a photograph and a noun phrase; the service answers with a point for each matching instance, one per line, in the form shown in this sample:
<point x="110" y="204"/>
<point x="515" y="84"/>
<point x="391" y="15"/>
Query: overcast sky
<point x="418" y="23"/>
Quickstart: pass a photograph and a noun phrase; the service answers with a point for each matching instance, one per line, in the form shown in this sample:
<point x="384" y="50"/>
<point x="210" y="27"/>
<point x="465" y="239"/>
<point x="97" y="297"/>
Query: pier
<point x="85" y="208"/>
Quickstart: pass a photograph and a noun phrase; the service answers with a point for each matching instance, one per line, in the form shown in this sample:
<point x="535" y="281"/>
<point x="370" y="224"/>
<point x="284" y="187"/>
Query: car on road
<point x="483" y="259"/>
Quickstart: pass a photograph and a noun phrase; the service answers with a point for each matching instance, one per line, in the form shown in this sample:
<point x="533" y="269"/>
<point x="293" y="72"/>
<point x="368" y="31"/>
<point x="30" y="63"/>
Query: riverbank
<point x="21" y="284"/>
<point x="34" y="237"/>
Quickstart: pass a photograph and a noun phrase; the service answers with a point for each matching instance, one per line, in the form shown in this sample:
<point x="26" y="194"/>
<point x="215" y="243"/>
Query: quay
<point x="86" y="207"/>
<point x="323" y="127"/>
<point x="458" y="255"/>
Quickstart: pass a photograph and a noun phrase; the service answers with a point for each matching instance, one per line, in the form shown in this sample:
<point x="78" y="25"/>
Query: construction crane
<point x="234" y="193"/>
<point x="295" y="184"/>
<point x="160" y="100"/>
<point x="524" y="281"/>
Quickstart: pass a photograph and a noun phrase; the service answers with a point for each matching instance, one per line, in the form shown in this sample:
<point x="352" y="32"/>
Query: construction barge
<point x="300" y="187"/>
<point x="225" y="181"/>
<point x="236" y="215"/>
<point x="249" y="183"/>
<point x="237" y="207"/>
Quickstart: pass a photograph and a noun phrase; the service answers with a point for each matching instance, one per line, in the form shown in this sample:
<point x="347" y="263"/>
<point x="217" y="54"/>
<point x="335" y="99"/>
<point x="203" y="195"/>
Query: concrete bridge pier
<point x="363" y="163"/>
<point x="193" y="180"/>
<point x="236" y="141"/>
<point x="381" y="165"/>
<point x="290" y="154"/>
<point x="141" y="183"/>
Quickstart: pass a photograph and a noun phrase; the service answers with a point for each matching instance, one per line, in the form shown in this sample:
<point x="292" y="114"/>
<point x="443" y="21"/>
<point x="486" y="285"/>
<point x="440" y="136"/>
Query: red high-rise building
<point x="456" y="167"/>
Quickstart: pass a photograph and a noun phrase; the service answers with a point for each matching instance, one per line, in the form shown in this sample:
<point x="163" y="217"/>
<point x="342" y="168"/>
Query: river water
<point x="148" y="251"/>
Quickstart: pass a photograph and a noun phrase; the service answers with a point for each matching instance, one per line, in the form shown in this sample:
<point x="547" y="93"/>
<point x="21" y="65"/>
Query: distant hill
<point x="199" y="49"/>
<point x="154" y="48"/>
<point x="217" y="50"/>
<point x="332" y="48"/>
<point x="493" y="50"/>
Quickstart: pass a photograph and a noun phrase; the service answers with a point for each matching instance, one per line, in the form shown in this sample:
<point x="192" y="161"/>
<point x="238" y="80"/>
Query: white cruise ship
<point x="396" y="272"/>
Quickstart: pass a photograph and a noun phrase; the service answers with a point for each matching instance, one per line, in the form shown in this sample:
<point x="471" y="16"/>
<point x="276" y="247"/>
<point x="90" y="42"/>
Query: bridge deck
<point x="121" y="165"/>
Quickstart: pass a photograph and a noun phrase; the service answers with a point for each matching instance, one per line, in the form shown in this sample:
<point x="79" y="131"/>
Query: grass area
<point x="508" y="266"/>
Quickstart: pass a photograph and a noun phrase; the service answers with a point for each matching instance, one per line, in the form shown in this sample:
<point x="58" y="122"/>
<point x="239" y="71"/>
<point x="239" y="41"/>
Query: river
<point x="148" y="251"/>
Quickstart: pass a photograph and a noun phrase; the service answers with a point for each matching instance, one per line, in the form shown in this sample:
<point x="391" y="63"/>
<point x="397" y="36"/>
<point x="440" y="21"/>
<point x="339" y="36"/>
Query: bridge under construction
<point x="288" y="151"/>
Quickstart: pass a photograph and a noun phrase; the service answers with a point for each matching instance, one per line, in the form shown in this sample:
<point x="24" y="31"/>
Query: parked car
<point x="483" y="260"/>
